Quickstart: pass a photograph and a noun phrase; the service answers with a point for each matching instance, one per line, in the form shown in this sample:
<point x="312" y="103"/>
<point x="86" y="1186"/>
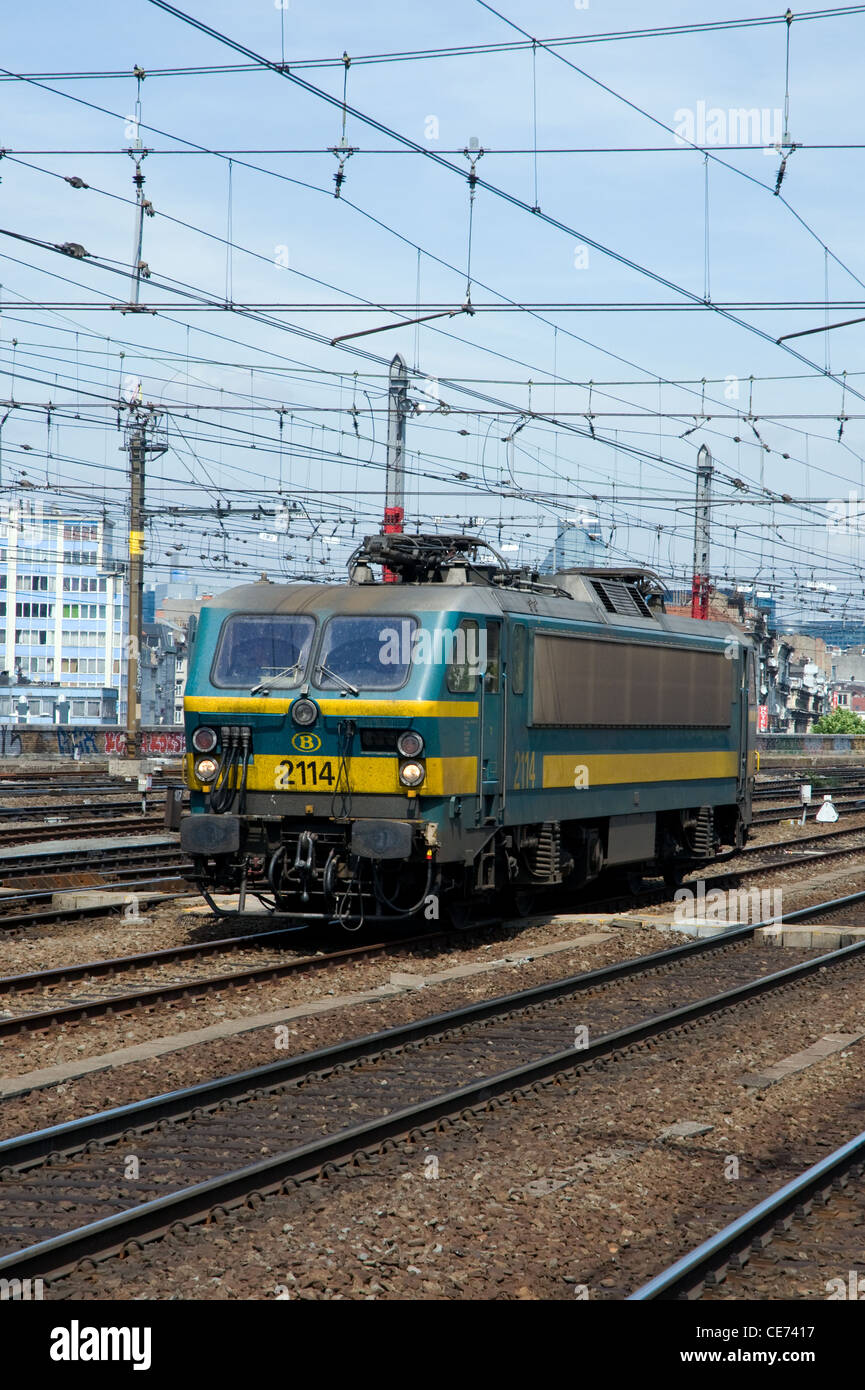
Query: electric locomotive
<point x="451" y="732"/>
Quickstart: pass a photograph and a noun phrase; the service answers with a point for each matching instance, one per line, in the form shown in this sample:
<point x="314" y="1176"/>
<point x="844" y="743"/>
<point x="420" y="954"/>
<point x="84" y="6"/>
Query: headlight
<point x="304" y="712"/>
<point x="411" y="774"/>
<point x="410" y="744"/>
<point x="204" y="740"/>
<point x="206" y="769"/>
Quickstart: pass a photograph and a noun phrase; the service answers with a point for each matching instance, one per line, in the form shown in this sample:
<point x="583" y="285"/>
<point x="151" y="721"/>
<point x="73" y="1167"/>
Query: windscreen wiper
<point x="265" y="685"/>
<point x="346" y="686"/>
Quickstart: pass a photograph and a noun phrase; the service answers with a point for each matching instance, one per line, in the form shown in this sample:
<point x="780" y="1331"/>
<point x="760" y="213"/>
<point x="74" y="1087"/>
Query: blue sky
<point x="635" y="474"/>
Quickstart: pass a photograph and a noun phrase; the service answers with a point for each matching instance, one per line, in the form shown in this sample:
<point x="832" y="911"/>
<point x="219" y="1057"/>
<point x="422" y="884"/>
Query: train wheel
<point x="673" y="876"/>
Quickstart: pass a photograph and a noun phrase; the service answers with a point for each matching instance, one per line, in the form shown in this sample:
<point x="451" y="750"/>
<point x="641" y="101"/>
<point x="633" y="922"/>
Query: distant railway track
<point x="74" y="809"/>
<point x="147" y="994"/>
<point x="240" y="1137"/>
<point x="771" y="815"/>
<point x="709" y="1262"/>
<point x="59" y="783"/>
<point x="24" y="834"/>
<point x="30" y="881"/>
<point x="818" y="780"/>
<point x="89" y="862"/>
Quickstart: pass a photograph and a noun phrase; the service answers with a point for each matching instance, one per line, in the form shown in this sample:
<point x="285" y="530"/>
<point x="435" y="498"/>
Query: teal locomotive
<point x="443" y="731"/>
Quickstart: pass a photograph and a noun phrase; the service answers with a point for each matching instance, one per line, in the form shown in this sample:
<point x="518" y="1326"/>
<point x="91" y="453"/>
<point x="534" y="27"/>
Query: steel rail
<point x="714" y="1254"/>
<point x="120" y="1003"/>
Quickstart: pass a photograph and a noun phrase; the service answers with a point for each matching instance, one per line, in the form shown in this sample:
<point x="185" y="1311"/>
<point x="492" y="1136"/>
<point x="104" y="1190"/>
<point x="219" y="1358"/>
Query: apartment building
<point x="62" y="616"/>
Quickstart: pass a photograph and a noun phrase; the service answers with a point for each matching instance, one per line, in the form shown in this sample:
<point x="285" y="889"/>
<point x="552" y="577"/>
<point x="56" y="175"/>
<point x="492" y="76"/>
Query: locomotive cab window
<point x="464" y="664"/>
<point x="519" y="653"/>
<point x="492" y="668"/>
<point x="370" y="653"/>
<point x="254" y="648"/>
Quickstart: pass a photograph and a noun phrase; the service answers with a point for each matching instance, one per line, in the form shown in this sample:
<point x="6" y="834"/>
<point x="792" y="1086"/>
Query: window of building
<point x="93" y="707"/>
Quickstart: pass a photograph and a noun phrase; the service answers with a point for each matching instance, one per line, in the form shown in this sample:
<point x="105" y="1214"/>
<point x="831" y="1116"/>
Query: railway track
<point x="819" y="786"/>
<point x="771" y="815"/>
<point x="730" y="1248"/>
<point x="86" y="807"/>
<point x="59" y="784"/>
<point x="123" y="867"/>
<point x="208" y="1147"/>
<point x="148" y="992"/>
<point x="24" y="834"/>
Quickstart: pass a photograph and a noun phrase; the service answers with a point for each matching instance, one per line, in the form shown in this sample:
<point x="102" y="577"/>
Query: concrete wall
<point x="790" y="744"/>
<point x="97" y="741"/>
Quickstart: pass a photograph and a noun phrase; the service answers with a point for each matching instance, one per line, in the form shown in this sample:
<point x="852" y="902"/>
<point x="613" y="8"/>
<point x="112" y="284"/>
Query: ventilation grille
<point x="621" y="598"/>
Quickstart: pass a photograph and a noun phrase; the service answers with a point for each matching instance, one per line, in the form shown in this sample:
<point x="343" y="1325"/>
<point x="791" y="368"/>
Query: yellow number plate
<point x="305" y="774"/>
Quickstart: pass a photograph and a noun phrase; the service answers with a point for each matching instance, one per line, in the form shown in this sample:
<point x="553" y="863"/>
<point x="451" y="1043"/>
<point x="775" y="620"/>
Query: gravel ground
<point x="570" y="1192"/>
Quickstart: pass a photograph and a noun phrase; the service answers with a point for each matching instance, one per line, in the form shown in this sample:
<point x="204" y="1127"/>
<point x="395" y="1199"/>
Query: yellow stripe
<point x="613" y="769"/>
<point x="444" y="776"/>
<point x="402" y="709"/>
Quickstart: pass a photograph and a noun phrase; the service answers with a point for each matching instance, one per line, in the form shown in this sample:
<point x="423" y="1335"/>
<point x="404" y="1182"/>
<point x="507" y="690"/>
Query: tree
<point x="840" y="721"/>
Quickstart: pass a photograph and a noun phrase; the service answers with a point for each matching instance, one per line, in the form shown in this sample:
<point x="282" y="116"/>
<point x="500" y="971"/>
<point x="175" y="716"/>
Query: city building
<point x="163" y="653"/>
<point x="577" y="543"/>
<point x="62" y="616"/>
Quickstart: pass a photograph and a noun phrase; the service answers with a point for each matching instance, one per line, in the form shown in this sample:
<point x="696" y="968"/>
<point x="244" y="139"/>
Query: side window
<point x="519" y="654"/>
<point x="462" y="675"/>
<point x="493" y="663"/>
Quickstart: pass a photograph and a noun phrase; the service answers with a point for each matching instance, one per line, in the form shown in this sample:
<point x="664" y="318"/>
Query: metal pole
<point x="136" y="588"/>
<point x="700" y="581"/>
<point x="397" y="408"/>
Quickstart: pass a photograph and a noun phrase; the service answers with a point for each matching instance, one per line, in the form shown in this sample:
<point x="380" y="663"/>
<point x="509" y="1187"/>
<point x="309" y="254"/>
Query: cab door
<point x="491" y="771"/>
<point x="747" y="729"/>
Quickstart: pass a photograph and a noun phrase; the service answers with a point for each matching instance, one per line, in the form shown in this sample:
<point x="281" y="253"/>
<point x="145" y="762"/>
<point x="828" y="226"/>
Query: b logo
<point x="306" y="743"/>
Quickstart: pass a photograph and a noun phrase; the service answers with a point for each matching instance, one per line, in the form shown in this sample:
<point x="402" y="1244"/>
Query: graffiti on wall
<point x="72" y="741"/>
<point x="169" y="742"/>
<point x="76" y="743"/>
<point x="10" y="741"/>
